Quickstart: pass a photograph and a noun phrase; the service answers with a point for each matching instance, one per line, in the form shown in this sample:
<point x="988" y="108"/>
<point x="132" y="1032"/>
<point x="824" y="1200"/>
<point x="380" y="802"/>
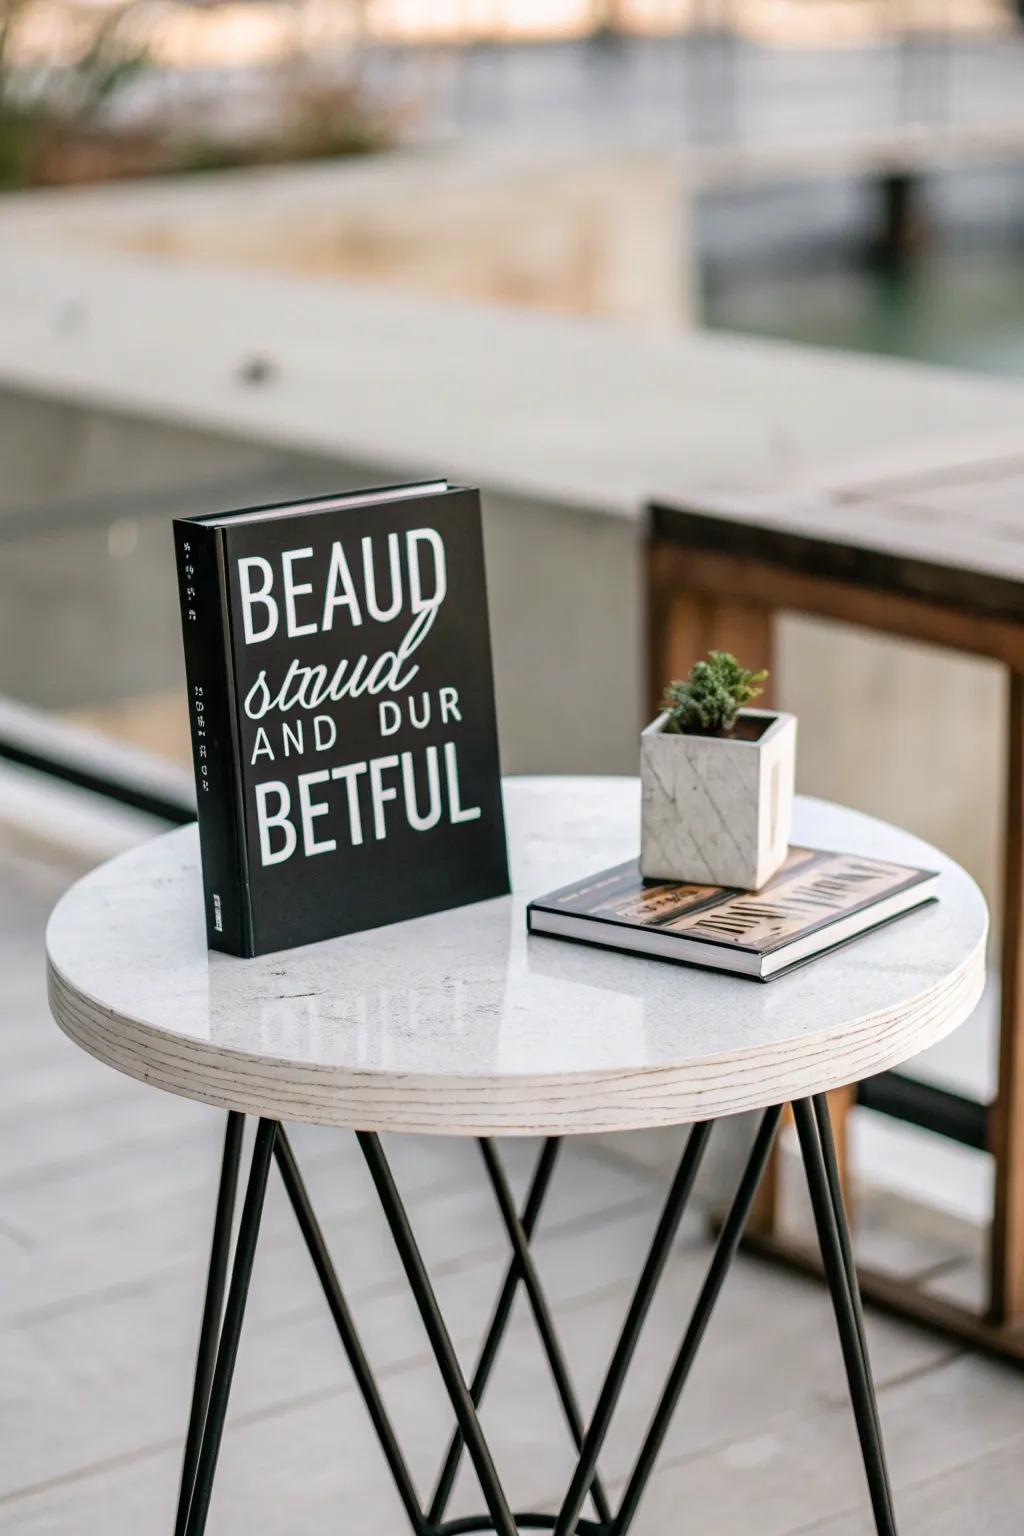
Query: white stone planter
<point x="718" y="810"/>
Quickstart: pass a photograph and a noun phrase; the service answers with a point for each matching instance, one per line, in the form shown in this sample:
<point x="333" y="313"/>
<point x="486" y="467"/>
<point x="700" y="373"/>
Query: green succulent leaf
<point x="707" y="702"/>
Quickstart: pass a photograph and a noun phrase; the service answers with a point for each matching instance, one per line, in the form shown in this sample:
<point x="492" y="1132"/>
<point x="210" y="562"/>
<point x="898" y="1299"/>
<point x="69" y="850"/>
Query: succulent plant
<point x="707" y="702"/>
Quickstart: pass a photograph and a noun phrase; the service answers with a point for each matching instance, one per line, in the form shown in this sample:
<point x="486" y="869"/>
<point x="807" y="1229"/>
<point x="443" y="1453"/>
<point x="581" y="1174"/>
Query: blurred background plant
<point x="70" y="110"/>
<point x="50" y="111"/>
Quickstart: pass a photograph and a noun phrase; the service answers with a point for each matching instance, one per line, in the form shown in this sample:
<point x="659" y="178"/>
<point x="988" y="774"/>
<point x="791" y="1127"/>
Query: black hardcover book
<point x="338" y="664"/>
<point x="814" y="903"/>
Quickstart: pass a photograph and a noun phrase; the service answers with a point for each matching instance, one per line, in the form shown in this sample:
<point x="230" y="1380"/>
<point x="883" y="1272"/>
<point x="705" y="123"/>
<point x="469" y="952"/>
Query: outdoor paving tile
<point x="770" y="1349"/>
<point x="108" y="1355"/>
<point x="804" y="1469"/>
<point x="749" y="1374"/>
<point x="891" y="1234"/>
<point x="966" y="1283"/>
<point x="61" y="1079"/>
<point x="181" y="1160"/>
<point x="985" y="1498"/>
<point x="904" y="1240"/>
<point x="74" y="1251"/>
<point x="111" y="1128"/>
<point x="317" y="1461"/>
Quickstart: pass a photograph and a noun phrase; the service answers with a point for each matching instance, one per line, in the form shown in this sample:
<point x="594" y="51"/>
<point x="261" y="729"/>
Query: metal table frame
<point x="224" y="1312"/>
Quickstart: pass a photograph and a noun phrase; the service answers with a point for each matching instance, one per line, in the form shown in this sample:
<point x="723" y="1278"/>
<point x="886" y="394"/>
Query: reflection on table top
<point x="460" y="1022"/>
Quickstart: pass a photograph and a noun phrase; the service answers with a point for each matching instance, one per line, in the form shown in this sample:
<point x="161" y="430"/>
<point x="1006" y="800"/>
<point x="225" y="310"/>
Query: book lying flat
<point x="814" y="903"/>
<point x="338" y="662"/>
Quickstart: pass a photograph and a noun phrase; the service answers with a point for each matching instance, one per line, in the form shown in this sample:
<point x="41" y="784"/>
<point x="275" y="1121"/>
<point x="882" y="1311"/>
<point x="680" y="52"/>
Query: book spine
<point x="208" y="676"/>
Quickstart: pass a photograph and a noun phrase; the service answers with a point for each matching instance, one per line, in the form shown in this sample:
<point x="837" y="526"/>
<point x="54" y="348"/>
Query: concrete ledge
<point x="574" y="412"/>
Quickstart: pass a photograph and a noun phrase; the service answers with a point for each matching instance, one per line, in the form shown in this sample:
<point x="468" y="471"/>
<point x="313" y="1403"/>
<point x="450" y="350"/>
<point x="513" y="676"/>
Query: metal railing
<point x="77" y="756"/>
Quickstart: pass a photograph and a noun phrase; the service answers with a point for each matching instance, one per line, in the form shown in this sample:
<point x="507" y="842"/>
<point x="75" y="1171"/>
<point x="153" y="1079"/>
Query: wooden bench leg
<point x="677" y="624"/>
<point x="1007" y="1139"/>
<point x="683" y="625"/>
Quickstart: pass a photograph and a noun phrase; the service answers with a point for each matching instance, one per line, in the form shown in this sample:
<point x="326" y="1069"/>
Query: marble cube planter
<point x="717" y="810"/>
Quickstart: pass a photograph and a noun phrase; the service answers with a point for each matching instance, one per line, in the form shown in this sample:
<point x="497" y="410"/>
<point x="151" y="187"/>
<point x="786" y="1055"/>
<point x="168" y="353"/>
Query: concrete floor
<point x="107" y="1192"/>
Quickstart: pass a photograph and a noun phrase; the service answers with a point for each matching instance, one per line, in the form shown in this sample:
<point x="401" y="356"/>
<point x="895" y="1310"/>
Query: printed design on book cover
<point x="812" y="889"/>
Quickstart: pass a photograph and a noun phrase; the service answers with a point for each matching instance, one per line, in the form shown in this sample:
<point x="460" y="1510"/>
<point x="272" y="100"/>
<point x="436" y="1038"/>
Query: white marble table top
<point x="460" y="1023"/>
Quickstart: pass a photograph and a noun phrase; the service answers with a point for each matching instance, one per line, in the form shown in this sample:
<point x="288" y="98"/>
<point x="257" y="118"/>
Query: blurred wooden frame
<point x="700" y="597"/>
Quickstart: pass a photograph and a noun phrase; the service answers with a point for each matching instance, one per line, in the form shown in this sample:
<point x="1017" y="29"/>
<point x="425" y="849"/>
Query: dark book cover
<point x="816" y="901"/>
<point x="338" y="667"/>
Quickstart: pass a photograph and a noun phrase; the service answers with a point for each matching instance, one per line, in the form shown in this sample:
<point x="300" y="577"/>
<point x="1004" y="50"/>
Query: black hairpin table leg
<point x="361" y="1369"/>
<point x="725" y="1251"/>
<point x="207" y="1424"/>
<point x="500" y="1315"/>
<point x="219" y="1336"/>
<point x="814" y="1129"/>
<point x="209" y="1333"/>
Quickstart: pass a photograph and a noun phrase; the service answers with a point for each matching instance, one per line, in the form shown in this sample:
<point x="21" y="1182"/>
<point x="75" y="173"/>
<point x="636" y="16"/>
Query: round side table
<point x="459" y="1024"/>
